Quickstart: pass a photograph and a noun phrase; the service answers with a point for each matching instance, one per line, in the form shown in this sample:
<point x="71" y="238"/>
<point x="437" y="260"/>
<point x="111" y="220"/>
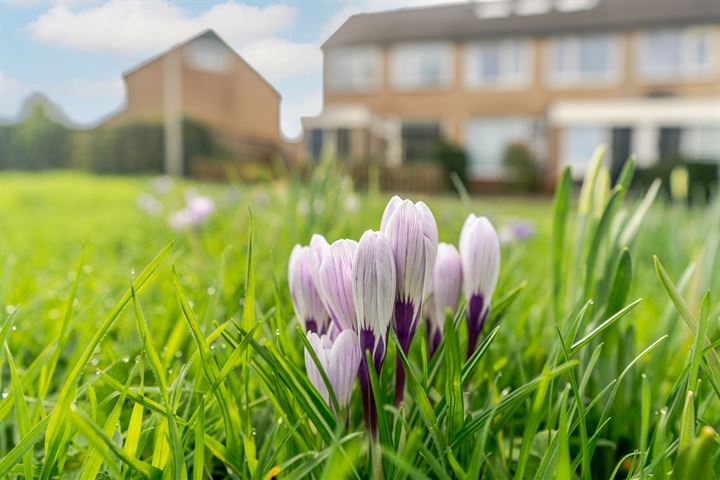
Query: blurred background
<point x="498" y="95"/>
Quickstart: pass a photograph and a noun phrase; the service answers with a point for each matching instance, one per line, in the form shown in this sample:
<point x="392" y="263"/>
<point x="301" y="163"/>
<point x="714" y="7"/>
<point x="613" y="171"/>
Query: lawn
<point x="561" y="387"/>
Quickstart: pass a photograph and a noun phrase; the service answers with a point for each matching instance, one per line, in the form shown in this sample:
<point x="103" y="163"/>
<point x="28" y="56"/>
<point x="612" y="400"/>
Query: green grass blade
<point x="561" y="209"/>
<point x="453" y="381"/>
<point x="56" y="431"/>
<point x="22" y="413"/>
<point x="18" y="452"/>
<point x="199" y="448"/>
<point x="600" y="328"/>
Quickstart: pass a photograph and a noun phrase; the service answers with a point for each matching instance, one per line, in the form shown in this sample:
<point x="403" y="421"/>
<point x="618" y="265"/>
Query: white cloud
<point x="277" y="58"/>
<point x="131" y="26"/>
<point x="294" y="108"/>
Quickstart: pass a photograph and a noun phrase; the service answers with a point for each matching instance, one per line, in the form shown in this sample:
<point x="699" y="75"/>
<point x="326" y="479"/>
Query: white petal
<point x="335" y="281"/>
<point x="374" y="283"/>
<point x="389" y="210"/>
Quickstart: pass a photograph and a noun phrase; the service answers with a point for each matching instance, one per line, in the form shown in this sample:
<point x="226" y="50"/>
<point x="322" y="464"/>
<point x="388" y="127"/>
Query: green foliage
<point x="521" y="165"/>
<point x="599" y="360"/>
<point x="453" y="158"/>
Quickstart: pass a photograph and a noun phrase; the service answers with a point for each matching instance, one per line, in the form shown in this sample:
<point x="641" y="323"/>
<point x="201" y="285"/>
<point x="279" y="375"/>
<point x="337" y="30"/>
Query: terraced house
<point x="558" y="76"/>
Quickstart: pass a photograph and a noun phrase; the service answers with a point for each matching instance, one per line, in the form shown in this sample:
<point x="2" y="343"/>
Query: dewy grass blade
<point x="55" y="436"/>
<point x="24" y="445"/>
<point x="104" y="445"/>
<point x="209" y="367"/>
<point x="22" y="413"/>
<point x="159" y="374"/>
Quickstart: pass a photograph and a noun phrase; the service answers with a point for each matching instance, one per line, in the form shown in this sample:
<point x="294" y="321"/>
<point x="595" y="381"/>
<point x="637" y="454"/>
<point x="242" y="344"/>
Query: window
<point x="503" y="64"/>
<point x="701" y="143"/>
<point x="675" y="53"/>
<point x="343" y="143"/>
<point x="353" y="69"/>
<point x="486" y="140"/>
<point x="583" y="59"/>
<point x="315" y="145"/>
<point x="421" y="65"/>
<point x="419" y="140"/>
<point x="578" y="145"/>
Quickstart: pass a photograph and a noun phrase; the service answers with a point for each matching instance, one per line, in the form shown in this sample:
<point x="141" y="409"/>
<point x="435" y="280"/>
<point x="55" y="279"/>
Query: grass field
<point x="625" y="386"/>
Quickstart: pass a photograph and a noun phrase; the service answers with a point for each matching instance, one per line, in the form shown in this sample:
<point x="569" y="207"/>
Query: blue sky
<point x="75" y="51"/>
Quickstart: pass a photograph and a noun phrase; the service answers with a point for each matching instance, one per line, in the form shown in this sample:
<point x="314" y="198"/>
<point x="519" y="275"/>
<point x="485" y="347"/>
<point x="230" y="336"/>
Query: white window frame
<point x="399" y="80"/>
<point x="575" y="78"/>
<point x="687" y="69"/>
<point x="473" y="77"/>
<point x="334" y="86"/>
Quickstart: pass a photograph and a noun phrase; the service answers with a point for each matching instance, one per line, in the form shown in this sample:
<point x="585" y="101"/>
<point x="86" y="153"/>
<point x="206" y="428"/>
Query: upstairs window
<point x="583" y="59"/>
<point x="502" y="64"/>
<point x="669" y="54"/>
<point x="352" y="69"/>
<point x="422" y="65"/>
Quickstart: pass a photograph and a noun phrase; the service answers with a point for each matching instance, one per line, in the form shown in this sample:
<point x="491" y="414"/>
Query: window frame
<point x="332" y="85"/>
<point x="575" y="79"/>
<point x="686" y="69"/>
<point x="398" y="82"/>
<point x="472" y="65"/>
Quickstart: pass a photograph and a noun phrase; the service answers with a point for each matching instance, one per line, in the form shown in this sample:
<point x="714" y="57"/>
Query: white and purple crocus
<point x="373" y="292"/>
<point x="480" y="255"/>
<point x="413" y="236"/>
<point x="443" y="293"/>
<point x="339" y="359"/>
<point x="303" y="271"/>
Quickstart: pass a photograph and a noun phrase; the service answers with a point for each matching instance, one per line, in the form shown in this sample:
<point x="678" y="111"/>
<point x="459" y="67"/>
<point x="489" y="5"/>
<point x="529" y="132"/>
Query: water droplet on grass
<point x="126" y="359"/>
<point x="178" y="354"/>
<point x="277" y="332"/>
<point x="211" y="291"/>
<point x="5" y="394"/>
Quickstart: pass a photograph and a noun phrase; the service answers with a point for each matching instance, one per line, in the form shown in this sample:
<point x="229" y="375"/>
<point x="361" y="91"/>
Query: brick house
<point x="560" y="76"/>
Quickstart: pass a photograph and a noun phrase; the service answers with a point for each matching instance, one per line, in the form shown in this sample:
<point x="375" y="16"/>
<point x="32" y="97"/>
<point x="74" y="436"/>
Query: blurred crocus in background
<point x="196" y="212"/>
<point x="413" y="236"/>
<point x="335" y="283"/>
<point x="302" y="274"/>
<point x="516" y="230"/>
<point x="339" y="359"/>
<point x="373" y="289"/>
<point x="480" y="255"/>
<point x="149" y="204"/>
<point x="442" y="293"/>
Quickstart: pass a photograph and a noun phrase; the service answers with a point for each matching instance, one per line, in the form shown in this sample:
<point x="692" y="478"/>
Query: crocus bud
<point x="335" y="283"/>
<point x="444" y="292"/>
<point x="373" y="289"/>
<point x="413" y="235"/>
<point x="302" y="273"/>
<point x="480" y="254"/>
<point x="340" y="359"/>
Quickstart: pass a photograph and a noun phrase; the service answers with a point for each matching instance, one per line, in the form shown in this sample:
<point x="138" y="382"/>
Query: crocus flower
<point x="413" y="235"/>
<point x="443" y="293"/>
<point x="340" y="359"/>
<point x="196" y="212"/>
<point x="480" y="255"/>
<point x="373" y="290"/>
<point x="302" y="274"/>
<point x="516" y="230"/>
<point x="335" y="283"/>
<point x="149" y="204"/>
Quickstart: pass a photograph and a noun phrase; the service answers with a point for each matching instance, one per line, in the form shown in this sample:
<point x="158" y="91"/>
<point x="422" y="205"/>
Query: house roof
<point x="465" y="20"/>
<point x="205" y="34"/>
